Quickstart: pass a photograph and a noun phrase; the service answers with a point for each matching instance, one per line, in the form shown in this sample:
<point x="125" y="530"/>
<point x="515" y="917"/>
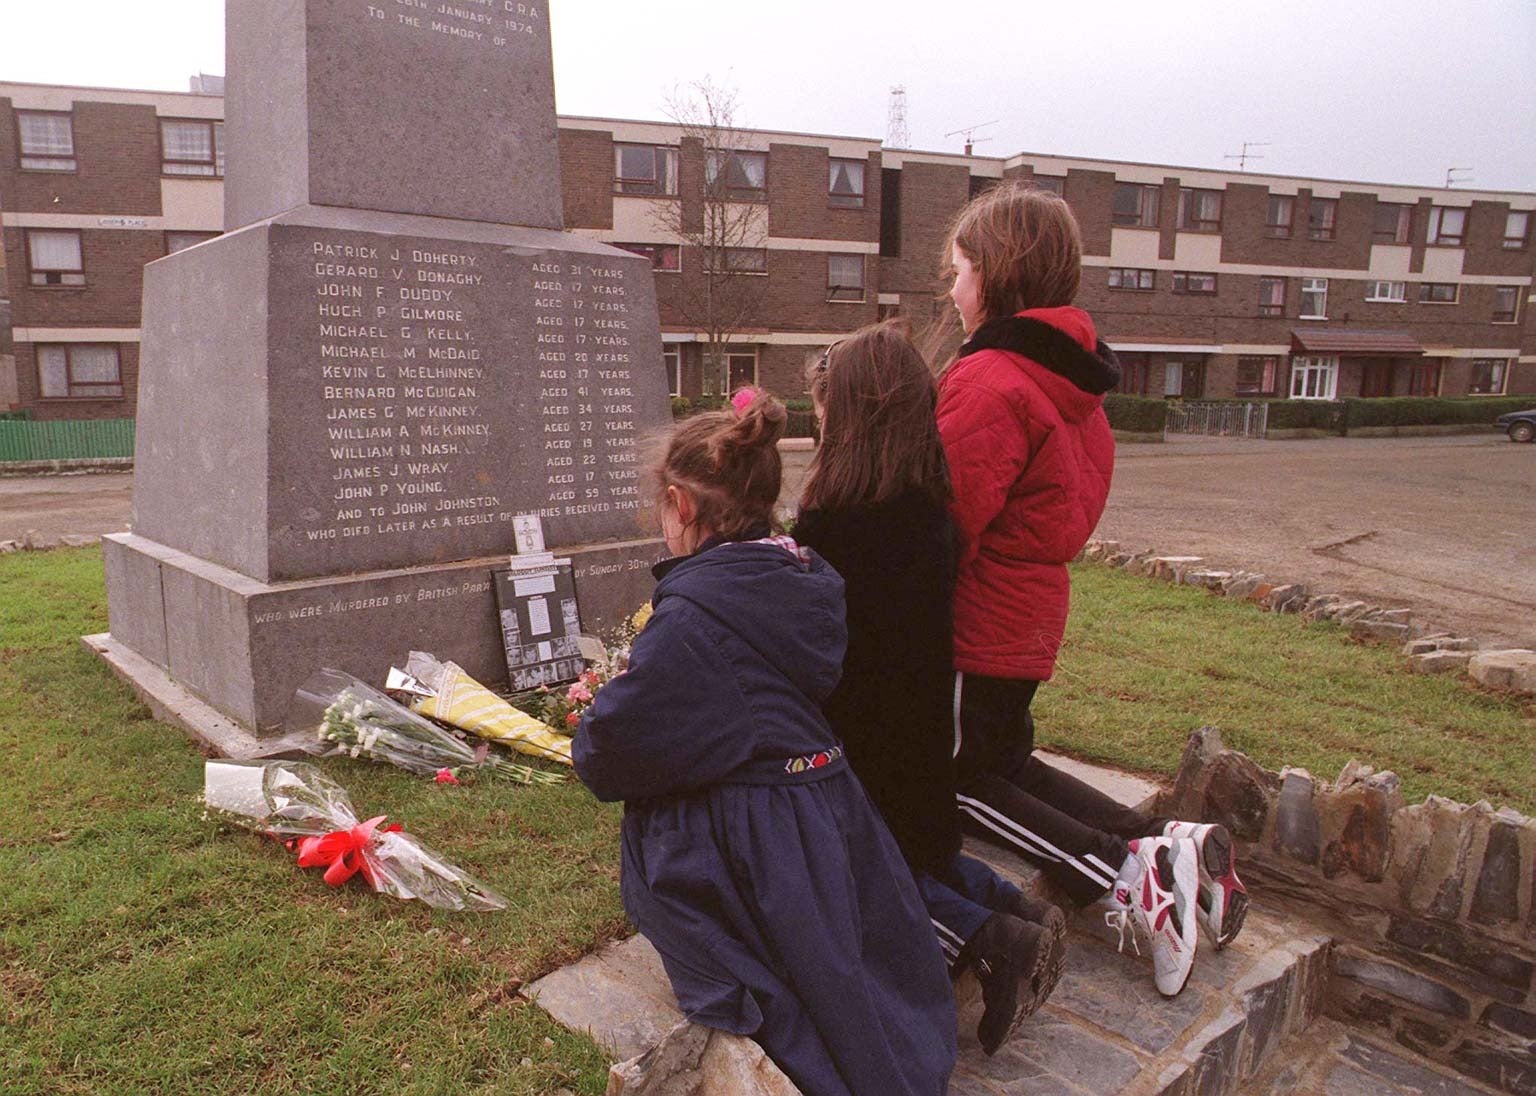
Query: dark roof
<point x="1355" y="341"/>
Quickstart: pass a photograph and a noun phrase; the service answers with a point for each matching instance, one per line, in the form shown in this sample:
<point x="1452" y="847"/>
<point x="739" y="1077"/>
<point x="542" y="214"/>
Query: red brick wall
<point x="117" y="154"/>
<point x="1090" y="193"/>
<point x="1485" y="243"/>
<point x="798" y="206"/>
<point x="586" y="178"/>
<point x="113" y="260"/>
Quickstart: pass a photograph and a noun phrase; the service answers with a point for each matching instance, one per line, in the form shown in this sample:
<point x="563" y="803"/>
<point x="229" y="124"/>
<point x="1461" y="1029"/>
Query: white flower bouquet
<point x="299" y="805"/>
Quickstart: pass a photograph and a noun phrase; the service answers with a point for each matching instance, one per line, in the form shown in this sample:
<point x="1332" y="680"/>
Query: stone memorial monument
<point x="393" y="351"/>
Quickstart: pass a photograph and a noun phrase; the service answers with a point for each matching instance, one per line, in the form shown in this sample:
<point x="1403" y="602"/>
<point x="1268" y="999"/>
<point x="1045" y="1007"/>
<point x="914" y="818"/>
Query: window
<point x="47" y="140"/>
<point x="1438" y="292"/>
<point x="79" y="371"/>
<point x="1517" y="229"/>
<point x="1488" y="375"/>
<point x="845" y="184"/>
<point x="1271" y="296"/>
<point x="191" y="147"/>
<point x="1322" y="215"/>
<point x="1282" y="212"/>
<point x="739" y="260"/>
<point x="53" y="257"/>
<point x="667" y="258"/>
<point x="180" y="241"/>
<point x="672" y="358"/>
<point x="1314" y="378"/>
<point x="1314" y="299"/>
<point x="644" y="169"/>
<point x="1127" y="277"/>
<point x="1506" y="303"/>
<point x="1134" y="369"/>
<point x="1256" y="375"/>
<point x="1447" y="227"/>
<point x="1134" y="205"/>
<point x="1054" y="183"/>
<point x="1194" y="283"/>
<point x="1200" y="210"/>
<point x="743" y="175"/>
<point x="845" y="277"/>
<point x="1392" y="222"/>
<point x="738" y="368"/>
<point x="1424" y="379"/>
<point x="1390" y="292"/>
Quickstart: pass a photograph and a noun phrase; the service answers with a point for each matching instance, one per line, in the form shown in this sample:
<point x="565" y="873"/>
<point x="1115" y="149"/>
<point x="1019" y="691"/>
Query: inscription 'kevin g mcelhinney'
<point x="414" y="368"/>
<point x="488" y="21"/>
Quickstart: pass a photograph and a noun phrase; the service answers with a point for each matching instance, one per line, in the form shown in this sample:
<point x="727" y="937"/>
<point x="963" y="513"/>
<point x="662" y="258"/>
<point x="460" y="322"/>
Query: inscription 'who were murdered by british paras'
<point x="461" y="385"/>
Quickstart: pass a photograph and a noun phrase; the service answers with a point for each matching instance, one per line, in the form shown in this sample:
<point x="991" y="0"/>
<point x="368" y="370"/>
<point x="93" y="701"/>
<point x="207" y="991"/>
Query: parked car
<point x="1519" y="425"/>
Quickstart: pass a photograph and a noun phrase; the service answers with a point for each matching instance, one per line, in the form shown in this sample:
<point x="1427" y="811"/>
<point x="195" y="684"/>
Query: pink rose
<point x="578" y="694"/>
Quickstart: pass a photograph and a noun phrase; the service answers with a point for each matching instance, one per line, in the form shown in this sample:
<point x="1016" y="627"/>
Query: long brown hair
<point x="729" y="461"/>
<point x="1025" y="245"/>
<point x="878" y="433"/>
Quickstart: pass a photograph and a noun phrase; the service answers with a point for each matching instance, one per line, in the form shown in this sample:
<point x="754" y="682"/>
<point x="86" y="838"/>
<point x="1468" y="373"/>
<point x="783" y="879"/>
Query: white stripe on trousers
<point x="949" y="943"/>
<point x="1014" y="833"/>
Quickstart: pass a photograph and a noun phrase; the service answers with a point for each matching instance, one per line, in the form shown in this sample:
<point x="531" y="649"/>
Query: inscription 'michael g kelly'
<point x="479" y="21"/>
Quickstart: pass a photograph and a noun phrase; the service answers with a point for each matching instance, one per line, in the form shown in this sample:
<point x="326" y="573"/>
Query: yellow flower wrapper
<point x="465" y="703"/>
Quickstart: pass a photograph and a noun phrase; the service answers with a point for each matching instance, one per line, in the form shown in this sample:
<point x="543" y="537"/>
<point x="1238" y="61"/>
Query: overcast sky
<point x="1376" y="91"/>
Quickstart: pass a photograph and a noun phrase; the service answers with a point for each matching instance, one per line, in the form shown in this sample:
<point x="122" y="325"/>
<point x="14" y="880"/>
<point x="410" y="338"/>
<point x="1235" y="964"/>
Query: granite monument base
<point x="243" y="646"/>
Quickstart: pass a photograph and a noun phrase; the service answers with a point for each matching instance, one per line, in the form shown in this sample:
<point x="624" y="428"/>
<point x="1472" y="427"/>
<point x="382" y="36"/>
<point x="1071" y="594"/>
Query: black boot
<point x="1047" y="916"/>
<point x="1017" y="964"/>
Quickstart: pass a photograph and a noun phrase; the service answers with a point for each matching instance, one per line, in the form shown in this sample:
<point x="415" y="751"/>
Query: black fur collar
<point x="1053" y="348"/>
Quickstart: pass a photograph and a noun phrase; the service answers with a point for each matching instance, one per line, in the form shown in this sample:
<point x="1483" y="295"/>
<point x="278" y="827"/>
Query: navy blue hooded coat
<point x="751" y="856"/>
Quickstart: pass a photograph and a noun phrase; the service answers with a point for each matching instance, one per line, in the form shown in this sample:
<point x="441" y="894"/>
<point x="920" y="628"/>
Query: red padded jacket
<point x="1021" y="415"/>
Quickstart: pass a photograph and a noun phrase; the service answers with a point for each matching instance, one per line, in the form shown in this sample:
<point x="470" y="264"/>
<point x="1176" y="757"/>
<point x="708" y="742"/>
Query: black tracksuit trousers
<point x="1008" y="796"/>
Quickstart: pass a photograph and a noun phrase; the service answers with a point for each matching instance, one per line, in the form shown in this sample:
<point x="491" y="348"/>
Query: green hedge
<point x="1325" y="415"/>
<point x="801" y="424"/>
<point x="1136" y="414"/>
<point x="1429" y="411"/>
<point x="15" y="416"/>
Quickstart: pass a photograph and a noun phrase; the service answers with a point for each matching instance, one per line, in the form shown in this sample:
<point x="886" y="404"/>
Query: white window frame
<point x="839" y="199"/>
<point x="1116" y="279"/>
<point x="1437" y="235"/>
<point x="672" y="361"/>
<point x="1148" y="197"/>
<point x="54" y="158"/>
<point x="1500" y="367"/>
<point x="1314" y="377"/>
<point x="1387" y="292"/>
<point x="663" y="160"/>
<point x="1317" y="287"/>
<point x="1514" y="313"/>
<point x="1511" y="241"/>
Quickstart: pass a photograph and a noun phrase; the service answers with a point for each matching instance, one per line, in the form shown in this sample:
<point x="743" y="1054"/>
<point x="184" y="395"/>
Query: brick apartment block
<point x="1207" y="283"/>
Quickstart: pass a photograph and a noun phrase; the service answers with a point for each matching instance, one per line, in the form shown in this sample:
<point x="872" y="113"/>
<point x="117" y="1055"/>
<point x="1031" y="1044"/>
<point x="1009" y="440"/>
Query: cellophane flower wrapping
<point x="293" y="800"/>
<point x="348" y="716"/>
<point x="462" y="701"/>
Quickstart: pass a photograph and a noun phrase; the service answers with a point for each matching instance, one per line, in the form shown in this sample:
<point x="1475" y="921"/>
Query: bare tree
<point x="721" y="218"/>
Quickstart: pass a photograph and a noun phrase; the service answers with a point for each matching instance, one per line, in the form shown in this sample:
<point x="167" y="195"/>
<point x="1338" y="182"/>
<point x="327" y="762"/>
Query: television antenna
<point x="1452" y="173"/>
<point x="971" y="140"/>
<point x="1244" y="156"/>
<point x="896" y="135"/>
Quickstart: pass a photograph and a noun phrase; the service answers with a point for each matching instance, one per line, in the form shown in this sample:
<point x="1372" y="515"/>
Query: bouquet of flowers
<point x="443" y="691"/>
<point x="351" y="717"/>
<point x="299" y="805"/>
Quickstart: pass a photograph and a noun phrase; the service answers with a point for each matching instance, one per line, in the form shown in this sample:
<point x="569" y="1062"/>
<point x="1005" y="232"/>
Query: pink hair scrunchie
<point x="743" y="399"/>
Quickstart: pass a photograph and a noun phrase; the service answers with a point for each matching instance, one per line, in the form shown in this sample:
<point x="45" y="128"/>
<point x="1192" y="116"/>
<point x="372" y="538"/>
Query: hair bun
<point x="759" y="420"/>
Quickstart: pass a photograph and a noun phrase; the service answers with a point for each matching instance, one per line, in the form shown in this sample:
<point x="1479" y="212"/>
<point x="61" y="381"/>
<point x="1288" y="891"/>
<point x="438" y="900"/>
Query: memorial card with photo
<point x="540" y="626"/>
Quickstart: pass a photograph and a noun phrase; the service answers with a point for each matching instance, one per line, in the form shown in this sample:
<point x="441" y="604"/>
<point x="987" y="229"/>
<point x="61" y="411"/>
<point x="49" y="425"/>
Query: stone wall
<point x="1432" y="905"/>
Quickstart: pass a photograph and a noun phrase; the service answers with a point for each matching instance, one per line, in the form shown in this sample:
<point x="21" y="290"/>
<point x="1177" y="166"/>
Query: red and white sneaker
<point x="1223" y="898"/>
<point x="1162" y="903"/>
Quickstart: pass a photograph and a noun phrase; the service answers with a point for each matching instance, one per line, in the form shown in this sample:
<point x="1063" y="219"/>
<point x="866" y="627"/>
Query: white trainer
<point x="1162" y="904"/>
<point x="1223" y="900"/>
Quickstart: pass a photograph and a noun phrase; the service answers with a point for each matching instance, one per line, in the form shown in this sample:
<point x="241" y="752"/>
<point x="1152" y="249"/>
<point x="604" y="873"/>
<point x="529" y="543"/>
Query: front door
<point x="1425" y="379"/>
<point x="1376" y="378"/>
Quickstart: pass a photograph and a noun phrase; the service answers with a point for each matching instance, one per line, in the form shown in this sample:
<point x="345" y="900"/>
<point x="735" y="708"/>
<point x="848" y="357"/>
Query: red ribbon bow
<point x="341" y="852"/>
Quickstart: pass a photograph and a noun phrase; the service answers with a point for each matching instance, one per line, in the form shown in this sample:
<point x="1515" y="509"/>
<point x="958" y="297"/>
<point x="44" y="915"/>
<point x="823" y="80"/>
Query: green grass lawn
<point x="1145" y="662"/>
<point x="143" y="949"/>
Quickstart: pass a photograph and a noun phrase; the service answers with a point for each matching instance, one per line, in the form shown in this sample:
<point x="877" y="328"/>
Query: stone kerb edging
<point x="1433" y="905"/>
<point x="33" y="541"/>
<point x="1513" y="669"/>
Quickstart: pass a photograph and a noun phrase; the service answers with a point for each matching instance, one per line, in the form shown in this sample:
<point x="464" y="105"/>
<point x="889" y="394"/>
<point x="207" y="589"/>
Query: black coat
<point x="893" y="708"/>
